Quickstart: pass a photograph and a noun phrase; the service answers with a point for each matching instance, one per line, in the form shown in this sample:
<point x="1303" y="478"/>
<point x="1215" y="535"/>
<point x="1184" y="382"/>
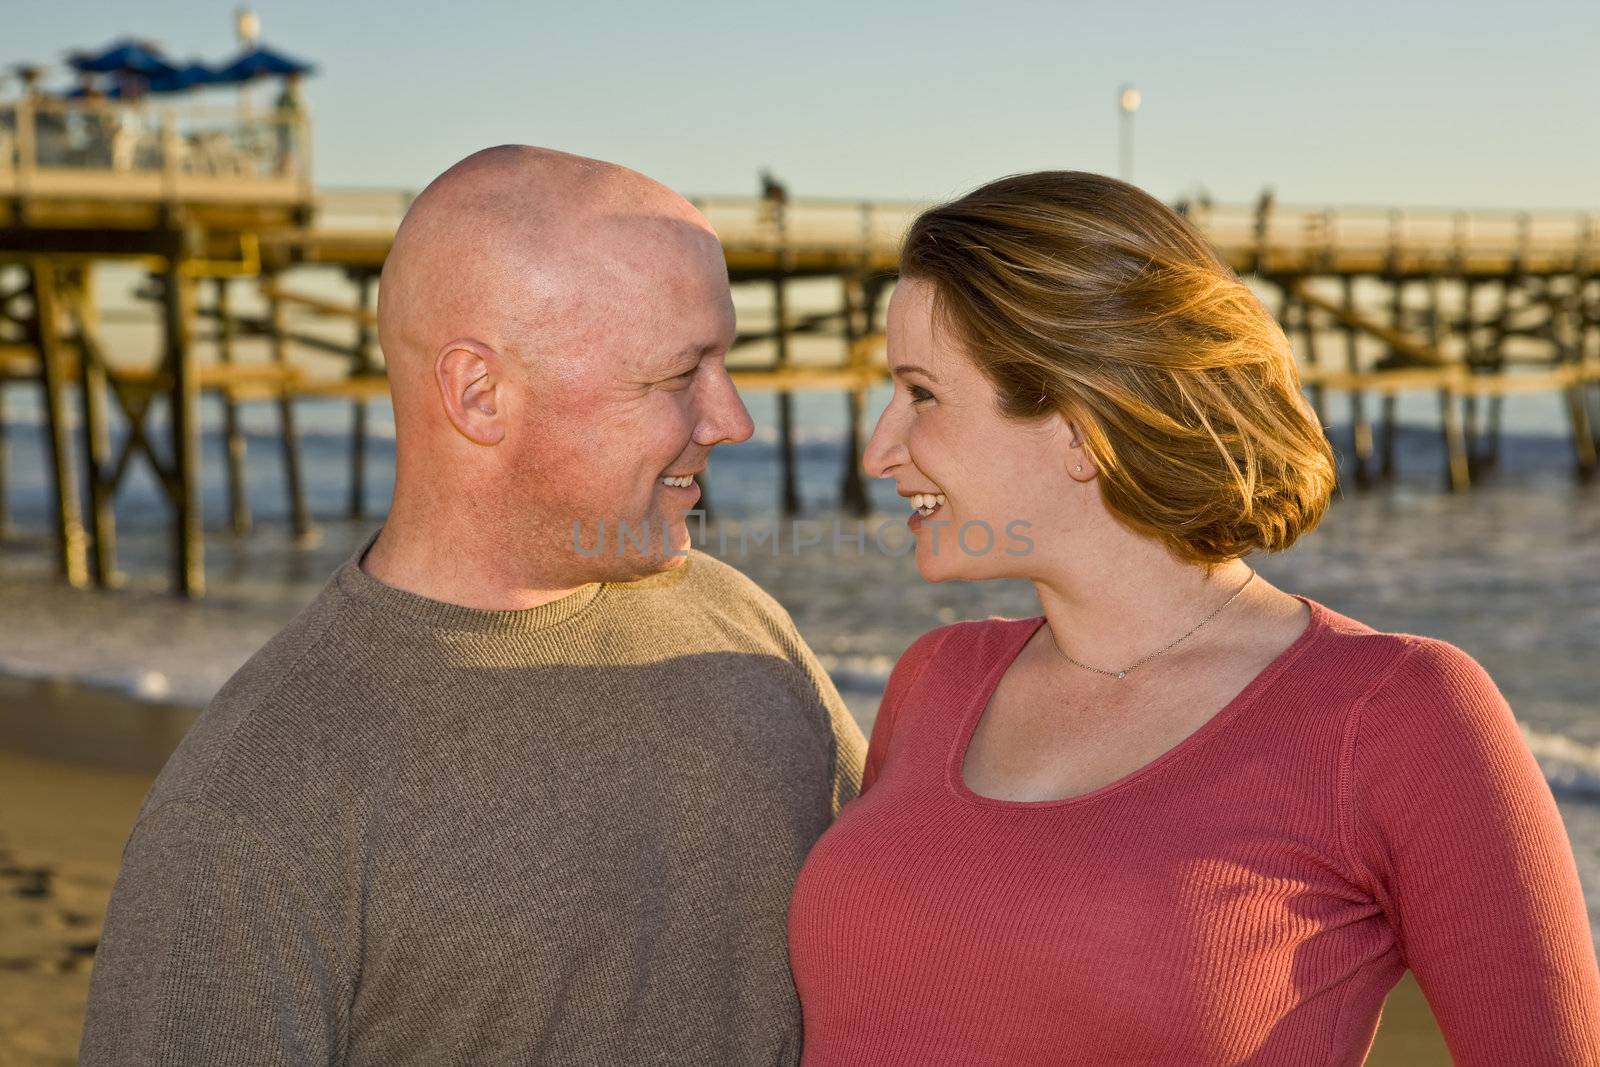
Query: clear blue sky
<point x="1461" y="104"/>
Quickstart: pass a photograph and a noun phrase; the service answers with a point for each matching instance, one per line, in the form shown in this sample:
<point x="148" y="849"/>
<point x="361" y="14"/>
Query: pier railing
<point x="53" y="149"/>
<point x="1263" y="235"/>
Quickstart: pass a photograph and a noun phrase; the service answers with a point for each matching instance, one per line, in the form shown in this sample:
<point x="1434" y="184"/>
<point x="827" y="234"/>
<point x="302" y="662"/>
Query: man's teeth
<point x="681" y="482"/>
<point x="927" y="503"/>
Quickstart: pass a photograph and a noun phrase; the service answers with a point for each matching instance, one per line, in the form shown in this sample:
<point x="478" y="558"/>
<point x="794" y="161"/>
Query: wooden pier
<point x="1470" y="306"/>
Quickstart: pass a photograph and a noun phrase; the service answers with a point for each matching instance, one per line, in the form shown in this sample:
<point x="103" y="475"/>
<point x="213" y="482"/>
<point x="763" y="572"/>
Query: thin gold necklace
<point x="1123" y="673"/>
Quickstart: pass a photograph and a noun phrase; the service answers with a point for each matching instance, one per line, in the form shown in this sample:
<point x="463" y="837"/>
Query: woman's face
<point x="1003" y="481"/>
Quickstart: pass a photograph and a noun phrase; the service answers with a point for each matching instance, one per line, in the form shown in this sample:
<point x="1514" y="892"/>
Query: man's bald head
<point x="555" y="330"/>
<point x="520" y="248"/>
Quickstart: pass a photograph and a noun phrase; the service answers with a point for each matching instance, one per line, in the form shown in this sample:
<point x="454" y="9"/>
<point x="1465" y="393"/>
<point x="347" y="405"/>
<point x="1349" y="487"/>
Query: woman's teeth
<point x="927" y="503"/>
<point x="681" y="482"/>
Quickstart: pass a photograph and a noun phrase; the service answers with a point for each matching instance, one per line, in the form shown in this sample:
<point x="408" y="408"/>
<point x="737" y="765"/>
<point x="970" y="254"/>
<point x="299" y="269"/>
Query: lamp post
<point x="247" y="24"/>
<point x="1127" y="104"/>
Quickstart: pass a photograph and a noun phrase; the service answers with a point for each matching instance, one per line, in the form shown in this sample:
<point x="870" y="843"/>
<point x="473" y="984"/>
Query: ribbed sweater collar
<point x="386" y="599"/>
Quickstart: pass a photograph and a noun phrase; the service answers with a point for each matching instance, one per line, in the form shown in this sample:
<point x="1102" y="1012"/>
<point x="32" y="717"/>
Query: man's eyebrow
<point x="692" y="354"/>
<point x="907" y="368"/>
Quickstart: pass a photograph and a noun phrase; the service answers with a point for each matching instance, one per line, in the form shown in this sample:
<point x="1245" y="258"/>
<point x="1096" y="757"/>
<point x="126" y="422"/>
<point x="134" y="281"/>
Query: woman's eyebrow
<point x="907" y="368"/>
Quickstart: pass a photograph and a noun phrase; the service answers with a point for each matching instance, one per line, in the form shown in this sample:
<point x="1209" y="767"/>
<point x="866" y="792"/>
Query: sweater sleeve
<point x="848" y="746"/>
<point x="212" y="953"/>
<point x="906" y="670"/>
<point x="1451" y="821"/>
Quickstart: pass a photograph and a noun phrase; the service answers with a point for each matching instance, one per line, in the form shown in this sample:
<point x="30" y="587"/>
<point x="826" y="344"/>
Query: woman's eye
<point x="919" y="394"/>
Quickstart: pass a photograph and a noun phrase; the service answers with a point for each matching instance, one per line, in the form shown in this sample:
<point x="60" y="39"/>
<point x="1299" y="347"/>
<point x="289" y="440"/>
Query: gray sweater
<point x="411" y="832"/>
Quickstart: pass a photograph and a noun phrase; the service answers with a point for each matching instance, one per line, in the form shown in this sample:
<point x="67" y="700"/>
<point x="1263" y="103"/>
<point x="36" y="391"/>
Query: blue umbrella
<point x="188" y="76"/>
<point x="110" y="92"/>
<point x="124" y="56"/>
<point x="260" y="61"/>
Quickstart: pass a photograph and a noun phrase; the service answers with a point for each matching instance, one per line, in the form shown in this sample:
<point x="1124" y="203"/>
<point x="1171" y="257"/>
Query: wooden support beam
<point x="1346" y="313"/>
<point x="9" y="319"/>
<point x="852" y="488"/>
<point x="815" y="322"/>
<point x="1388" y="429"/>
<point x="1308" y="335"/>
<point x="25" y="242"/>
<point x="5" y="464"/>
<point x="96" y="435"/>
<point x="1508" y="285"/>
<point x="1583" y="436"/>
<point x="271" y="290"/>
<point x="1457" y="474"/>
<point x="232" y="431"/>
<point x="289" y="440"/>
<point x="1360" y="428"/>
<point x="71" y="554"/>
<point x="189" y="560"/>
<point x="366" y="365"/>
<point x="789" y="496"/>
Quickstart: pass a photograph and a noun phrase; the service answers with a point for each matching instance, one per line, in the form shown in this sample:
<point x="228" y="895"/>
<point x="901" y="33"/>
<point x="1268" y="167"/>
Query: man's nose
<point x="724" y="419"/>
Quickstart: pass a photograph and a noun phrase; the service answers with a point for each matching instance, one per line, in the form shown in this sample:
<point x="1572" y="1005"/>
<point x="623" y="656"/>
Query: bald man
<point x="497" y="796"/>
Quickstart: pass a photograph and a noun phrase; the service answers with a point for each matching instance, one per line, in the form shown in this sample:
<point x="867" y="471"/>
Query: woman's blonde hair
<point x="1078" y="293"/>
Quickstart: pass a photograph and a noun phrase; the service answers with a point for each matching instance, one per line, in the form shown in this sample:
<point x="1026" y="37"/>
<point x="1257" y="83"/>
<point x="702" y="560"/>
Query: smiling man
<point x="495" y="796"/>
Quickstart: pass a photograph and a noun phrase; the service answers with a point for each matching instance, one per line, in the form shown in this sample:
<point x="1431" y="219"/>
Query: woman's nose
<point x="883" y="451"/>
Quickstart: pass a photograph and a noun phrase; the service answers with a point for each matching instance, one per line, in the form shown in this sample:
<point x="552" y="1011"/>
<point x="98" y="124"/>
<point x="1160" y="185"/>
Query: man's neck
<point x="489" y="576"/>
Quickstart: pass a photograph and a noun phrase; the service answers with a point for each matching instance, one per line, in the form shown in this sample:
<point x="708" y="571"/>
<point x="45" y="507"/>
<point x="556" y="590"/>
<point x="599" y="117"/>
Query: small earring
<point x="1078" y="467"/>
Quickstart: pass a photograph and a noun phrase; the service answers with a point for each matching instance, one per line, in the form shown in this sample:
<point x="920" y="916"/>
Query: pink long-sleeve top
<point x="1366" y="804"/>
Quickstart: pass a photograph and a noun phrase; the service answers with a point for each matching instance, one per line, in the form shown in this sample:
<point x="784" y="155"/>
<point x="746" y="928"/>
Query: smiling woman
<point x="1180" y="816"/>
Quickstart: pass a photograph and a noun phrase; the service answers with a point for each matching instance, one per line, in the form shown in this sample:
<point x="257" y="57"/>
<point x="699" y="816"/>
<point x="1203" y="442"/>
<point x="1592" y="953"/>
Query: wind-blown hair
<point x="1081" y="294"/>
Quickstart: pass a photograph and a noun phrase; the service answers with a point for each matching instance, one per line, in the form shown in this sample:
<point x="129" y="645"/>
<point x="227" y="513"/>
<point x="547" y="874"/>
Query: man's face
<point x="638" y="395"/>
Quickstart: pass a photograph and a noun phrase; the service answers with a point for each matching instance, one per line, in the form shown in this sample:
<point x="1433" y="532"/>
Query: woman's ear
<point x="1080" y="462"/>
<point x="472" y="388"/>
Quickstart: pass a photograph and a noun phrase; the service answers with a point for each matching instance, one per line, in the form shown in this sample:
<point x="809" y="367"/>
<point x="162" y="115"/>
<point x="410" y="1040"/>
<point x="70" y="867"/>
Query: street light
<point x="248" y="25"/>
<point x="1127" y="104"/>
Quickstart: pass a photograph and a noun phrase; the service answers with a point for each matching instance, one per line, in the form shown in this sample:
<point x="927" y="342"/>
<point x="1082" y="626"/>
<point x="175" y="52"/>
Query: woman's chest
<point x="1036" y="743"/>
<point x="1157" y="923"/>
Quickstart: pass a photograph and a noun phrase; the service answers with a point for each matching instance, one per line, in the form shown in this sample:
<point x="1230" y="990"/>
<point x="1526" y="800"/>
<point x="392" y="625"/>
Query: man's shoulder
<point x="712" y="574"/>
<point x="708" y="584"/>
<point x="287" y="696"/>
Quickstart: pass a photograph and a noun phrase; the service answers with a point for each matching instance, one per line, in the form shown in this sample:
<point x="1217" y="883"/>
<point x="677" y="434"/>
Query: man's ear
<point x="472" y="387"/>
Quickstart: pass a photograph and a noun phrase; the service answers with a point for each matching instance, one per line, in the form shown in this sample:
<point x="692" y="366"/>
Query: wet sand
<point x="62" y="828"/>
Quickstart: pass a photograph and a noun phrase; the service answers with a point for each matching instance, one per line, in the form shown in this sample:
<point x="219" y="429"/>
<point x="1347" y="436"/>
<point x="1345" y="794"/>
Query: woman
<point x="1181" y="817"/>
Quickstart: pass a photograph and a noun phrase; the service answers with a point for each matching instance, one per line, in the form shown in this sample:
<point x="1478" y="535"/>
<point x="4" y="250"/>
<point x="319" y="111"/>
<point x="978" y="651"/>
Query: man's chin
<point x="635" y="549"/>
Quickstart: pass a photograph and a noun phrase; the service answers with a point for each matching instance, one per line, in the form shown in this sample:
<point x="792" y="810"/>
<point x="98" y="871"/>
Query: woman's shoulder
<point x="939" y="664"/>
<point x="1392" y="657"/>
<point x="970" y="642"/>
<point x="1402" y="682"/>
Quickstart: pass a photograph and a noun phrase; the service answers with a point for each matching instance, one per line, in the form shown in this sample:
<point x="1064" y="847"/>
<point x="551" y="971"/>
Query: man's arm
<point x="849" y="746"/>
<point x="214" y="952"/>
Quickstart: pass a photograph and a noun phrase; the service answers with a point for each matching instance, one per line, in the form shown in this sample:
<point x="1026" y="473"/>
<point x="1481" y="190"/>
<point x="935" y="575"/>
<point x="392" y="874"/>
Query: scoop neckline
<point x="955" y="781"/>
